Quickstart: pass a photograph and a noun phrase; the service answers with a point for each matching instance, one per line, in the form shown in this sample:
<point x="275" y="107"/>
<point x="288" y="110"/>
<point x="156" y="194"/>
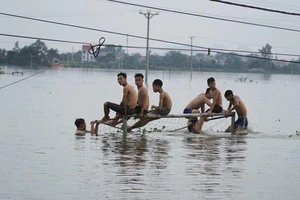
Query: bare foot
<point x="112" y="122"/>
<point x="104" y="119"/>
<point x="129" y="129"/>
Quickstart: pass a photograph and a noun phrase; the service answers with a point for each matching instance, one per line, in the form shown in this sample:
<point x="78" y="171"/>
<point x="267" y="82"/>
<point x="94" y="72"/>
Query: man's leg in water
<point x="201" y="122"/>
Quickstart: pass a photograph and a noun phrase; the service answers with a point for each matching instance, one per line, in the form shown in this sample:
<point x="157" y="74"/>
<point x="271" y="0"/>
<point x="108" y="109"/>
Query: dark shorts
<point x="191" y="119"/>
<point x="120" y="109"/>
<point x="138" y="110"/>
<point x="217" y="109"/>
<point x="242" y="122"/>
<point x="163" y="111"/>
<point x="187" y="111"/>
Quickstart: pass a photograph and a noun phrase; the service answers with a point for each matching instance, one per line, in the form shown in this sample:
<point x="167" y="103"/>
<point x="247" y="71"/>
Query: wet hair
<point x="207" y="91"/>
<point x="228" y="93"/>
<point x="191" y="126"/>
<point x="122" y="74"/>
<point x="78" y="122"/>
<point x="139" y="75"/>
<point x="157" y="82"/>
<point x="210" y="80"/>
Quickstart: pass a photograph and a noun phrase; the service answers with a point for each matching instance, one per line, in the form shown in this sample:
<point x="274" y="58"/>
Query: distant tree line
<point x="114" y="57"/>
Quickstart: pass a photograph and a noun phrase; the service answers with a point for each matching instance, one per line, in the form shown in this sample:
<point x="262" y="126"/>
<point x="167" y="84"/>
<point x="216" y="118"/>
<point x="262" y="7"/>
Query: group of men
<point x="199" y="102"/>
<point x="133" y="103"/>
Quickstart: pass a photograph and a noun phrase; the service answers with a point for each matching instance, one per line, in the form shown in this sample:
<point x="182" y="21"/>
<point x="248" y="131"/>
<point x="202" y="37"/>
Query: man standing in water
<point x="235" y="103"/>
<point x="128" y="103"/>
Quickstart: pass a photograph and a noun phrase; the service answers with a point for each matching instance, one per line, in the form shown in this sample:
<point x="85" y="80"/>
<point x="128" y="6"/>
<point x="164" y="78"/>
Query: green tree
<point x="266" y="51"/>
<point x="175" y="59"/>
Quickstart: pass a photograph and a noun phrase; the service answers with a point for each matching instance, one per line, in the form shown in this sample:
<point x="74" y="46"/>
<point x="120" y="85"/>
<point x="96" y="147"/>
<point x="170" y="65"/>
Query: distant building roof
<point x="86" y="47"/>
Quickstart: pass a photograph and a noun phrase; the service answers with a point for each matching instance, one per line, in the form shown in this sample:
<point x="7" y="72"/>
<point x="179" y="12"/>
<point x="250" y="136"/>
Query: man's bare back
<point x="198" y="102"/>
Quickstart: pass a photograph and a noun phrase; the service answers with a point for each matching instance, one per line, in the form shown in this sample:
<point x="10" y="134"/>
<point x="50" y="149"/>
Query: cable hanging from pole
<point x="205" y="16"/>
<point x="256" y="7"/>
<point x="125" y="34"/>
<point x="23" y="79"/>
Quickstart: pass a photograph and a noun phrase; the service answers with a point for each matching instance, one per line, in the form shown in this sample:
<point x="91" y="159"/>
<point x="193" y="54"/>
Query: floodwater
<point x="42" y="159"/>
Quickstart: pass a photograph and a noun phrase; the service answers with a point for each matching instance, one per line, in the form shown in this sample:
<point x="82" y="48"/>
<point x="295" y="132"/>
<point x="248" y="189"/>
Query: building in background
<point x="86" y="57"/>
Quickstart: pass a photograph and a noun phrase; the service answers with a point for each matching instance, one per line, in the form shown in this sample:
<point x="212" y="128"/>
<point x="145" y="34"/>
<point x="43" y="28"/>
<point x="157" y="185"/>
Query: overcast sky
<point x="126" y="19"/>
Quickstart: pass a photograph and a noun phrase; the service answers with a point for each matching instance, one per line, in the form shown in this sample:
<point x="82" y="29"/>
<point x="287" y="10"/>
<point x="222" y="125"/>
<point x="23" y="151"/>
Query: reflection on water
<point x="218" y="162"/>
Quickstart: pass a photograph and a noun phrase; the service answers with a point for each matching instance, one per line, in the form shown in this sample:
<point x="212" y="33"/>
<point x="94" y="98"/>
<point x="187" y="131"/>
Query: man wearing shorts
<point x="128" y="103"/>
<point x="196" y="104"/>
<point x="235" y="103"/>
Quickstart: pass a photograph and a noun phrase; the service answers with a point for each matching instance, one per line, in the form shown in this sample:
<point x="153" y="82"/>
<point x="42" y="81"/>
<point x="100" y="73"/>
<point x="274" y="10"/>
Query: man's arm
<point x="229" y="106"/>
<point x="125" y="94"/>
<point x="207" y="101"/>
<point x="202" y="109"/>
<point x="161" y="101"/>
<point x="236" y="104"/>
<point x="94" y="130"/>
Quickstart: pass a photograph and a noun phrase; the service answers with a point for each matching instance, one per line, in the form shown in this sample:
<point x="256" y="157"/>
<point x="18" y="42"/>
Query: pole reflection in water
<point x="134" y="158"/>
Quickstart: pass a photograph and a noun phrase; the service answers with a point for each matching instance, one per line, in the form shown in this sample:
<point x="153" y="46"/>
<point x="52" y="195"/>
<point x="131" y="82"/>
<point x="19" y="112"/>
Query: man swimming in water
<point x="81" y="127"/>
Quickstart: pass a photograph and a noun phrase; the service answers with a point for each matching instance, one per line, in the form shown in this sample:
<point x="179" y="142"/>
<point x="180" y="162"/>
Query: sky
<point x="102" y="14"/>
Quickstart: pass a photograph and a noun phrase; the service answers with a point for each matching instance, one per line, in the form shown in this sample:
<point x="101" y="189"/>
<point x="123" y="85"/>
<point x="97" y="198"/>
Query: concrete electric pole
<point x="148" y="15"/>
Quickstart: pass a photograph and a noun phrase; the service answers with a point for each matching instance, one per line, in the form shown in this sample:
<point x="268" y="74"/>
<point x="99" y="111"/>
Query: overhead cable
<point x="256" y="8"/>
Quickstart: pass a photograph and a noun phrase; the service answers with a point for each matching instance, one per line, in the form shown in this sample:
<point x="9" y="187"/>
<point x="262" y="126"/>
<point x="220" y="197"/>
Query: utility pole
<point x="30" y="61"/>
<point x="191" y="62"/>
<point x="148" y="15"/>
<point x="127" y="44"/>
<point x="72" y="52"/>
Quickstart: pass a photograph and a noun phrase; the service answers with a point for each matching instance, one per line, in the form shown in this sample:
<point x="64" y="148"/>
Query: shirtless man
<point x="235" y="103"/>
<point x="215" y="108"/>
<point x="164" y="107"/>
<point x="81" y="127"/>
<point x="197" y="103"/>
<point x="128" y="103"/>
<point x="216" y="96"/>
<point x="143" y="97"/>
<point x="142" y="103"/>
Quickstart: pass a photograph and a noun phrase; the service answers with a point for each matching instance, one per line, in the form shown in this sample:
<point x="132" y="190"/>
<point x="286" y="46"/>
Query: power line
<point x="256" y="8"/>
<point x="124" y="34"/>
<point x="136" y="47"/>
<point x="205" y="16"/>
<point x="158" y="48"/>
<point x="24" y="78"/>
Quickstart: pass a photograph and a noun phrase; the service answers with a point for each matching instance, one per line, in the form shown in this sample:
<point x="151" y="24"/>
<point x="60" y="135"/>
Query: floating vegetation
<point x="152" y="130"/>
<point x="243" y="79"/>
<point x="1" y="72"/>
